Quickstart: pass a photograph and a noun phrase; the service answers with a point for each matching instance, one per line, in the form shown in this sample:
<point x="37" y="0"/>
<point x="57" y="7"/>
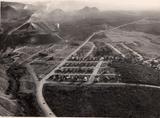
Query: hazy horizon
<point x="70" y="5"/>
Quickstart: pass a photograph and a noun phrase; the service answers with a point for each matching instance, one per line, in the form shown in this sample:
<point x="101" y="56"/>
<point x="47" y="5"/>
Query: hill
<point x="14" y="14"/>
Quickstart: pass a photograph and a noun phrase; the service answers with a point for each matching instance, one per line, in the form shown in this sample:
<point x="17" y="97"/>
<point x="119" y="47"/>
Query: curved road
<point x="41" y="101"/>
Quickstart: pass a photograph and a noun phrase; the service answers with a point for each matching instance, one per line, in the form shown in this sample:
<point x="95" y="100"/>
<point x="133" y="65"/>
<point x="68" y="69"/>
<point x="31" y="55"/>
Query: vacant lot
<point x="44" y="65"/>
<point x="134" y="102"/>
<point x="146" y="44"/>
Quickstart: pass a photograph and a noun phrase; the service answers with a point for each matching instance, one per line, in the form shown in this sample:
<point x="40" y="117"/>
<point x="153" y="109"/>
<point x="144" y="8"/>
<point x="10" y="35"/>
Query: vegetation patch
<point x="134" y="102"/>
<point x="136" y="72"/>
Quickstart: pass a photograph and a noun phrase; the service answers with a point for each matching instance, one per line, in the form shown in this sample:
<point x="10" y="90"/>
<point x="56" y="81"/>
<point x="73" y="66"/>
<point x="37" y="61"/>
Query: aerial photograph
<point x="80" y="58"/>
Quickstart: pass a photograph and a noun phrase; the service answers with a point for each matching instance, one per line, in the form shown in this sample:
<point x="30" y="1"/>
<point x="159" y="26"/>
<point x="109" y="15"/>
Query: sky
<point x="101" y="4"/>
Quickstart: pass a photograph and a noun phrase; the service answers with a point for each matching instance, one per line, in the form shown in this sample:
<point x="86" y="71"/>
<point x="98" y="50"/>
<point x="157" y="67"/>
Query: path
<point x="123" y="25"/>
<point x="91" y="50"/>
<point x="95" y="72"/>
<point x="116" y="50"/>
<point x="134" y="52"/>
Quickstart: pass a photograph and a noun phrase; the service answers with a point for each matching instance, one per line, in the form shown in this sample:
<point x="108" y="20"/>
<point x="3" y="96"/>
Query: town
<point x="87" y="62"/>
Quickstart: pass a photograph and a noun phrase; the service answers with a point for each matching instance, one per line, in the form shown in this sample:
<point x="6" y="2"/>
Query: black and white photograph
<point x="80" y="58"/>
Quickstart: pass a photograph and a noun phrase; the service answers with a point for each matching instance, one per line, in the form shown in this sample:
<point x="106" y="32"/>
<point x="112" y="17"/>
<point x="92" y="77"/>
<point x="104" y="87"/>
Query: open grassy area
<point x="147" y="26"/>
<point x="43" y="69"/>
<point x="143" y="43"/>
<point x="44" y="65"/>
<point x="125" y="102"/>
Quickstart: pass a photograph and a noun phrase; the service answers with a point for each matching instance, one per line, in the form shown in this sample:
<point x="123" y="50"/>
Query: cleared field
<point x="42" y="69"/>
<point x="28" y="51"/>
<point x="141" y="42"/>
<point x="65" y="52"/>
<point x="147" y="26"/>
<point x="43" y="52"/>
<point x="31" y="49"/>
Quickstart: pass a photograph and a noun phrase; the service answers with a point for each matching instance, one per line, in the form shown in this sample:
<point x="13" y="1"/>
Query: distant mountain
<point x="14" y="14"/>
<point x="89" y="10"/>
<point x="15" y="11"/>
<point x="16" y="5"/>
<point x="60" y="16"/>
<point x="56" y="15"/>
<point x="9" y="12"/>
<point x="58" y="11"/>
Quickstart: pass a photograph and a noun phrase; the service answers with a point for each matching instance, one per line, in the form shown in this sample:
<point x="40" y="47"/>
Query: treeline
<point x="15" y="72"/>
<point x="27" y="104"/>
